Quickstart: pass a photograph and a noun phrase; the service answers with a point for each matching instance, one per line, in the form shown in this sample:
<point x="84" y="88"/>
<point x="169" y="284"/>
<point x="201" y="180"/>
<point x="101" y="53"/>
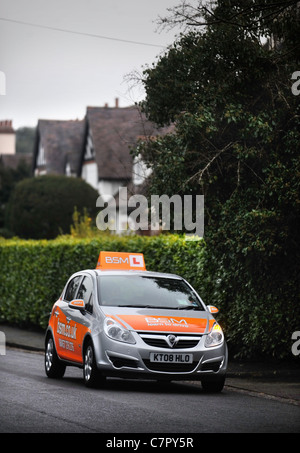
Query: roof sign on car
<point x="121" y="261"/>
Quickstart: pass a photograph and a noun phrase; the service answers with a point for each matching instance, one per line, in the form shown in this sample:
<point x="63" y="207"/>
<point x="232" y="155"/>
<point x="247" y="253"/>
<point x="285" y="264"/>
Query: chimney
<point x="117" y="103"/>
<point x="6" y="125"/>
<point x="7" y="137"/>
<point x="106" y="105"/>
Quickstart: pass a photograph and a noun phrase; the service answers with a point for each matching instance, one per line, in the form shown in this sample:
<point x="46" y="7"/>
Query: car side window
<point x="72" y="288"/>
<point x="85" y="292"/>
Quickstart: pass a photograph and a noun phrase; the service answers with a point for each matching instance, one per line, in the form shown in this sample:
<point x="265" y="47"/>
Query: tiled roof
<point x="114" y="131"/>
<point x="62" y="142"/>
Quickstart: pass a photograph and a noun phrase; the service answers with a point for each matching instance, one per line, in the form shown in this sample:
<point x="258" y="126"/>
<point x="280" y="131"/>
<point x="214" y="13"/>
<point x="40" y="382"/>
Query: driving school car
<point x="122" y="320"/>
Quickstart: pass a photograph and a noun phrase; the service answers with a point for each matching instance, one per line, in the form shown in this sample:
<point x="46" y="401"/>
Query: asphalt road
<point x="30" y="402"/>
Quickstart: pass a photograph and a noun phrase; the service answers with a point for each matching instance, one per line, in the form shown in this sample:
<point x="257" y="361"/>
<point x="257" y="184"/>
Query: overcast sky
<point x="52" y="74"/>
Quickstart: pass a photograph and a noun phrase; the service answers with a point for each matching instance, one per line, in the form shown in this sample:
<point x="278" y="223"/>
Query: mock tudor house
<point x="110" y="133"/>
<point x="97" y="149"/>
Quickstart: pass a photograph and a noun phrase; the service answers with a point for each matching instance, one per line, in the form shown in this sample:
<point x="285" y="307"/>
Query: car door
<point x="84" y="319"/>
<point x="80" y="320"/>
<point x="66" y="323"/>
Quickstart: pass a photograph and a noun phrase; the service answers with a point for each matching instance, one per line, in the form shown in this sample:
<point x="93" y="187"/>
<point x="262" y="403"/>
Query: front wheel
<point x="213" y="385"/>
<point x="53" y="366"/>
<point x="91" y="375"/>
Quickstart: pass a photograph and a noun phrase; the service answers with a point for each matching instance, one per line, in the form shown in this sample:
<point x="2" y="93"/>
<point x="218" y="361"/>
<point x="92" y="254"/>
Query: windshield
<point x="147" y="292"/>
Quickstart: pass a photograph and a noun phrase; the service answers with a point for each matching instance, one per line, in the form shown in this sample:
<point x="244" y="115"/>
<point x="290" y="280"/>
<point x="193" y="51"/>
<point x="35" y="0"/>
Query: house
<point x="110" y="134"/>
<point x="97" y="149"/>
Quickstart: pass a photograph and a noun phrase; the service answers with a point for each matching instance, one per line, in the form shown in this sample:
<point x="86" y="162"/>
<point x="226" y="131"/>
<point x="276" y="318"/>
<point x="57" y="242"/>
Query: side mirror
<point x="212" y="309"/>
<point x="77" y="304"/>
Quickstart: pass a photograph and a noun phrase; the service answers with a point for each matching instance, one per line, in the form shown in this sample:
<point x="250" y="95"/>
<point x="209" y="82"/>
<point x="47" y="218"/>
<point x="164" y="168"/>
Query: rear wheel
<point x="53" y="366"/>
<point x="91" y="375"/>
<point x="213" y="385"/>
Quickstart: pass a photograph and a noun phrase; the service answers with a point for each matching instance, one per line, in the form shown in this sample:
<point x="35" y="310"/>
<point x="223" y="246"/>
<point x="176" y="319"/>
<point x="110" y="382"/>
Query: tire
<point x="213" y="385"/>
<point x="54" y="368"/>
<point x="91" y="375"/>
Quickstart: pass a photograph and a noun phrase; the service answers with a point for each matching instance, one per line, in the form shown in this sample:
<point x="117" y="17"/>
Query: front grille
<point x="187" y="343"/>
<point x="160" y="341"/>
<point x="170" y="367"/>
<point x="156" y="342"/>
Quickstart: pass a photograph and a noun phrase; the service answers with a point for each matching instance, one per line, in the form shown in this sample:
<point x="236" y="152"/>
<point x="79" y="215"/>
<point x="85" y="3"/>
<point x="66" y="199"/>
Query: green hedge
<point x="33" y="273"/>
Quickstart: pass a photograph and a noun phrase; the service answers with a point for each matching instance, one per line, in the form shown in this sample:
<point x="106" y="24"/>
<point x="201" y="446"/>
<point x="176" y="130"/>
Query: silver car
<point x="136" y="324"/>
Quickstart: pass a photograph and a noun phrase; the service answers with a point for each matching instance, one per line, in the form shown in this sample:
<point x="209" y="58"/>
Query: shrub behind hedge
<point x="42" y="207"/>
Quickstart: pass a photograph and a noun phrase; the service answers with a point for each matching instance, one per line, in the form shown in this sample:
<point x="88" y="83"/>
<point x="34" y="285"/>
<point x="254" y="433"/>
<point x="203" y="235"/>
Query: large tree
<point x="227" y="85"/>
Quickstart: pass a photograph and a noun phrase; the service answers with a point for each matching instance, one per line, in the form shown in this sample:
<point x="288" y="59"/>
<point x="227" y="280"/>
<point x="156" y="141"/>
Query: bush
<point x="258" y="311"/>
<point x="42" y="207"/>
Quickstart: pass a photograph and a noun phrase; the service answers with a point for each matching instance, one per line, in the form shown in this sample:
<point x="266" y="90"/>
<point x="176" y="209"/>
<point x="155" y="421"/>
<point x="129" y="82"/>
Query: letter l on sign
<point x="136" y="261"/>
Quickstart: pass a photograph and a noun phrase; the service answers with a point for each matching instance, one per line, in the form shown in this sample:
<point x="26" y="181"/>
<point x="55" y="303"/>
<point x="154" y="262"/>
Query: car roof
<point x="98" y="272"/>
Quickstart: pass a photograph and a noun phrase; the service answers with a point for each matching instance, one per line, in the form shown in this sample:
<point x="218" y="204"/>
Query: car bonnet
<point x="161" y="320"/>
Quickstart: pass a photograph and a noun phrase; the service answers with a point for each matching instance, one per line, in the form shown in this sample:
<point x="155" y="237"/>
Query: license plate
<point x="170" y="358"/>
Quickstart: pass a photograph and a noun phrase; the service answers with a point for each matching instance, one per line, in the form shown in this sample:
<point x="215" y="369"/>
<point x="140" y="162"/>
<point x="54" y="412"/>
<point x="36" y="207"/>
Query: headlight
<point x="115" y="331"/>
<point x="215" y="337"/>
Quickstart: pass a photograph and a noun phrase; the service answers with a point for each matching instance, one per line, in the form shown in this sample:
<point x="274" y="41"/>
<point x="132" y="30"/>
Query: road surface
<point x="30" y="402"/>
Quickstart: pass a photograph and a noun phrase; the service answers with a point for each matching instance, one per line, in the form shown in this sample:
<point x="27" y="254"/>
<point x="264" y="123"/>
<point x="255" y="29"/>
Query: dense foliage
<point x="43" y="207"/>
<point x="9" y="177"/>
<point x="25" y="137"/>
<point x="236" y="140"/>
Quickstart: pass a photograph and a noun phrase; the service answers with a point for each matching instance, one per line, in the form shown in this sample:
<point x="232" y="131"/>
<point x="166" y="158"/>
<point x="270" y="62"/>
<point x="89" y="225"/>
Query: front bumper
<point x="126" y="360"/>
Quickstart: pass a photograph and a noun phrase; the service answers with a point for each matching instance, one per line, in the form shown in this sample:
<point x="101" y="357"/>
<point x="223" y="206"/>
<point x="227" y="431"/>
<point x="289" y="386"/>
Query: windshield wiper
<point x="186" y="307"/>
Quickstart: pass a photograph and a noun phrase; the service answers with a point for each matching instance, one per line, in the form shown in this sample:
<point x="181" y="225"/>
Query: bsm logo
<point x="151" y="321"/>
<point x="132" y="260"/>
